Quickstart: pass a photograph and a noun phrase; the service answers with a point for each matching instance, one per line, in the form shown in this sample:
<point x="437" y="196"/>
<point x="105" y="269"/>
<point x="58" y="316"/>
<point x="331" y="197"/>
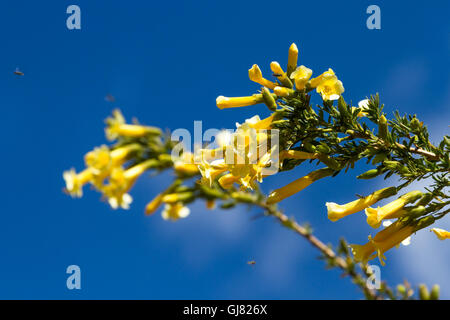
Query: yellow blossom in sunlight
<point x="210" y="171"/>
<point x="314" y="83"/>
<point x="75" y="182"/>
<point x="255" y="75"/>
<point x="330" y="89"/>
<point x="116" y="127"/>
<point x="225" y="102"/>
<point x="297" y="185"/>
<point x="384" y="240"/>
<point x="175" y="211"/>
<point x="336" y="211"/>
<point x="292" y="58"/>
<point x="391" y="210"/>
<point x="441" y="233"/>
<point x="301" y="76"/>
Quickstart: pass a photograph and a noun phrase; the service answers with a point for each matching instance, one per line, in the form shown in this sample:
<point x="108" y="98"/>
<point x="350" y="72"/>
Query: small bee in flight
<point x="18" y="72"/>
<point x="252" y="262"/>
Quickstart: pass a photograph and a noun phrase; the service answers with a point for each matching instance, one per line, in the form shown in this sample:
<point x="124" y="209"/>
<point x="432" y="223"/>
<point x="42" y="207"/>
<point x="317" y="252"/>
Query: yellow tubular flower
<point x="390" y="211"/>
<point x="280" y="74"/>
<point x="383" y="241"/>
<point x="292" y="59"/>
<point x="210" y="171"/>
<point x="255" y="75"/>
<point x="185" y="165"/>
<point x="153" y="205"/>
<point x="102" y="158"/>
<point x="301" y="76"/>
<point x="130" y="130"/>
<point x="75" y="182"/>
<point x="261" y="124"/>
<point x="295" y="154"/>
<point x="298" y="185"/>
<point x="121" y="181"/>
<point x="226" y="181"/>
<point x="283" y="92"/>
<point x="116" y="127"/>
<point x="441" y="233"/>
<point x="175" y="211"/>
<point x="225" y="102"/>
<point x="336" y="211"/>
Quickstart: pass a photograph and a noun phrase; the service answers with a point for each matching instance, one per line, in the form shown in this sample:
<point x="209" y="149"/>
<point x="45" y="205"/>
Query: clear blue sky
<point x="166" y="62"/>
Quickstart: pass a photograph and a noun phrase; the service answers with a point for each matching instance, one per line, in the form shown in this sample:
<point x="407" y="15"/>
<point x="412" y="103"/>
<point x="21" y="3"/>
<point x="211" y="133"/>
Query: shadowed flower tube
<point x="153" y="205"/>
<point x="441" y="233"/>
<point x="255" y="75"/>
<point x="225" y="102"/>
<point x="391" y="210"/>
<point x="336" y="211"/>
<point x="298" y="185"/>
<point x="383" y="241"/>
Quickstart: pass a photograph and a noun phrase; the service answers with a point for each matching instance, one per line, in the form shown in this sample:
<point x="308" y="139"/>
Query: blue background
<point x="166" y="62"/>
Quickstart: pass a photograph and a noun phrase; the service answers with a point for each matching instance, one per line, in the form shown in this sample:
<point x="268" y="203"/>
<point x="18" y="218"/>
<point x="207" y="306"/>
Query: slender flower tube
<point x="75" y="182"/>
<point x="177" y="197"/>
<point x="116" y="127"/>
<point x="255" y="75"/>
<point x="226" y="181"/>
<point x="336" y="211"/>
<point x="283" y="92"/>
<point x="185" y="165"/>
<point x="292" y="59"/>
<point x="298" y="185"/>
<point x="280" y="74"/>
<point x="295" y="154"/>
<point x="383" y="241"/>
<point x="225" y="102"/>
<point x="441" y="233"/>
<point x="391" y="210"/>
<point x="153" y="205"/>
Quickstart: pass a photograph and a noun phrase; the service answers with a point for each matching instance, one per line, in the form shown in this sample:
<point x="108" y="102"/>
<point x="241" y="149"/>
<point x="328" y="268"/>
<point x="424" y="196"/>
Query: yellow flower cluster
<point x="326" y="84"/>
<point x="105" y="167"/>
<point x="245" y="173"/>
<point x="241" y="156"/>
